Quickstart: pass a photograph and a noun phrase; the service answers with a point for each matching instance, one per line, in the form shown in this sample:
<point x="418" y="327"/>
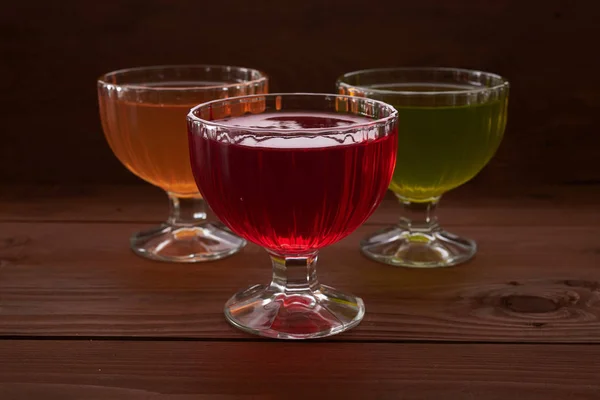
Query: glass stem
<point x="296" y="273"/>
<point x="186" y="211"/>
<point x="419" y="217"/>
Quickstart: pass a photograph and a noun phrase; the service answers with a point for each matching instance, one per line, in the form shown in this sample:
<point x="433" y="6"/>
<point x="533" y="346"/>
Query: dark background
<point x="52" y="52"/>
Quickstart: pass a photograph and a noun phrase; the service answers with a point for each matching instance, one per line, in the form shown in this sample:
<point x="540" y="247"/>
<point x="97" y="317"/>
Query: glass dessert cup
<point x="451" y="124"/>
<point x="293" y="173"/>
<point x="143" y="113"/>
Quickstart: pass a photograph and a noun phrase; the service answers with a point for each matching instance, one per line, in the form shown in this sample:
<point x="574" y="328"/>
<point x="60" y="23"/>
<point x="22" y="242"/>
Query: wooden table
<point x="82" y="317"/>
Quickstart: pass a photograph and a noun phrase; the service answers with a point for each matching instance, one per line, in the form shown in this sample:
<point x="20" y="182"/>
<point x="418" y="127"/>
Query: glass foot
<point x="268" y="311"/>
<point x="399" y="247"/>
<point x="186" y="244"/>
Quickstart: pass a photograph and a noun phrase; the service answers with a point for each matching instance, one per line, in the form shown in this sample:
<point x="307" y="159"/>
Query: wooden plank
<point x="527" y="284"/>
<point x="148" y="370"/>
<point x="468" y="206"/>
<point x="140" y="203"/>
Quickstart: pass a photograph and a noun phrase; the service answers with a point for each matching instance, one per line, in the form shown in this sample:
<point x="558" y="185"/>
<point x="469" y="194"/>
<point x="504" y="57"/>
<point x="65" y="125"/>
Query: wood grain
<point x="51" y="130"/>
<point x="527" y="284"/>
<point x="564" y="205"/>
<point x="149" y="370"/>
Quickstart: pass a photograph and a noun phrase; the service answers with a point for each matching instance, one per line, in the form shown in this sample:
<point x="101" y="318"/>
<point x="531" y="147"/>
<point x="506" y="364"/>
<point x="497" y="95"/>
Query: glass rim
<point x="102" y="79"/>
<point x="333" y="130"/>
<point x="503" y="81"/>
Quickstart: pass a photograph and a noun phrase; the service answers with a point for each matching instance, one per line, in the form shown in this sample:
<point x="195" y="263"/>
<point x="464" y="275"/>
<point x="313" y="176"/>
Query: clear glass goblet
<point x="451" y="123"/>
<point x="143" y="113"/>
<point x="293" y="173"/>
